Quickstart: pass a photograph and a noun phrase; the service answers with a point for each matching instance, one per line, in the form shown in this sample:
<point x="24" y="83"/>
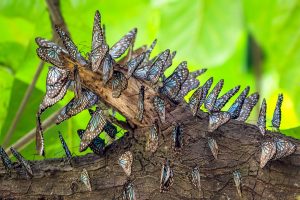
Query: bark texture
<point x="239" y="146"/>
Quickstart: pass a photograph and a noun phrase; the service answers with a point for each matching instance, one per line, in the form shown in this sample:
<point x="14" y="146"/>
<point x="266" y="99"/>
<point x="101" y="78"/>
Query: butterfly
<point x="24" y="163"/>
<point x="169" y="60"/>
<point x="6" y="161"/>
<point x="119" y="83"/>
<point x="213" y="95"/>
<point x="283" y="148"/>
<point x="236" y="107"/>
<point x="195" y="178"/>
<point x="237" y="181"/>
<point x="76" y="105"/>
<point x="51" y="55"/>
<point x="70" y="46"/>
<point x="221" y="102"/>
<point x="125" y="161"/>
<point x="217" y="119"/>
<point x="65" y="146"/>
<point x="194" y="101"/>
<point x="94" y="127"/>
<point x="99" y="46"/>
<point x="261" y="122"/>
<point x="84" y="177"/>
<point x="107" y="69"/>
<point x="268" y="150"/>
<point x="188" y="85"/>
<point x="152" y="139"/>
<point x="177" y="137"/>
<point x="205" y="88"/>
<point x="128" y="192"/>
<point x="159" y="106"/>
<point x="197" y="73"/>
<point x="156" y="68"/>
<point x="97" y="145"/>
<point x="77" y="81"/>
<point x="212" y="144"/>
<point x="42" y="42"/>
<point x="141" y="108"/>
<point x="247" y="107"/>
<point x="166" y="178"/>
<point x="276" y="120"/>
<point x="122" y="45"/>
<point x="133" y="64"/>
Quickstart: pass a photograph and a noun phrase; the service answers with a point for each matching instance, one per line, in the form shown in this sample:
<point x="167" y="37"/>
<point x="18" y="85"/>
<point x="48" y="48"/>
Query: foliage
<point x="211" y="34"/>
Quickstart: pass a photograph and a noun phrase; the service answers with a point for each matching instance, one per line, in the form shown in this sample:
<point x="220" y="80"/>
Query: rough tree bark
<point x="239" y="145"/>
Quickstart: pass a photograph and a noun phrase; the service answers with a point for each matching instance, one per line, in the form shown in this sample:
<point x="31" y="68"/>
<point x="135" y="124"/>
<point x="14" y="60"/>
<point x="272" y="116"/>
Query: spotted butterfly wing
<point x="119" y="83"/>
<point x="166" y="178"/>
<point x="25" y="164"/>
<point x="152" y="139"/>
<point x="85" y="179"/>
<point x="99" y="46"/>
<point x="197" y="73"/>
<point x="205" y="88"/>
<point x="134" y="63"/>
<point x="107" y="69"/>
<point x="261" y="122"/>
<point x="217" y="119"/>
<point x="247" y="107"/>
<point x="213" y="95"/>
<point x="70" y="46"/>
<point x="283" y="148"/>
<point x="51" y="55"/>
<point x="177" y="137"/>
<point x="125" y="161"/>
<point x="94" y="127"/>
<point x="276" y="120"/>
<point x="141" y="108"/>
<point x="65" y="146"/>
<point x="213" y="146"/>
<point x="194" y="101"/>
<point x="236" y="107"/>
<point x="6" y="161"/>
<point x="122" y="45"/>
<point x="97" y="145"/>
<point x="169" y="60"/>
<point x="42" y="42"/>
<point x="268" y="150"/>
<point x="221" y="102"/>
<point x="237" y="181"/>
<point x="159" y="106"/>
<point x="187" y="86"/>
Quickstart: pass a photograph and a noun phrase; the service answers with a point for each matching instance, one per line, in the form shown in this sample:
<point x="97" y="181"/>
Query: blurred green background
<point x="246" y="42"/>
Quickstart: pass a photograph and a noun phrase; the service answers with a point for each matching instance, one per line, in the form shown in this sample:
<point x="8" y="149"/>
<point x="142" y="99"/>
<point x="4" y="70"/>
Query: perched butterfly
<point x="247" y="107"/>
<point x="195" y="178"/>
<point x="205" y="88"/>
<point x="236" y="107"/>
<point x="110" y="129"/>
<point x="97" y="145"/>
<point x="268" y="150"/>
<point x="276" y="120"/>
<point x="107" y="68"/>
<point x="94" y="127"/>
<point x="128" y="192"/>
<point x="283" y="148"/>
<point x="84" y="177"/>
<point x="213" y="95"/>
<point x="42" y="42"/>
<point x="166" y="178"/>
<point x="261" y="122"/>
<point x="217" y="119"/>
<point x="122" y="45"/>
<point x="70" y="46"/>
<point x="134" y="63"/>
<point x="76" y="105"/>
<point x="237" y="181"/>
<point x="169" y="61"/>
<point x="188" y="85"/>
<point x="65" y="146"/>
<point x="177" y="137"/>
<point x="152" y="138"/>
<point x="221" y="102"/>
<point x="197" y="73"/>
<point x="6" y="161"/>
<point x="125" y="161"/>
<point x="156" y="69"/>
<point x="24" y="163"/>
<point x="119" y="83"/>
<point x="159" y="106"/>
<point x="194" y="101"/>
<point x="213" y="147"/>
<point x="77" y="81"/>
<point x="99" y="46"/>
<point x="51" y="55"/>
<point x="148" y="53"/>
<point x="141" y="108"/>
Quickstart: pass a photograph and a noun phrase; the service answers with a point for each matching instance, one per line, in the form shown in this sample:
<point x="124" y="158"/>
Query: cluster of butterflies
<point x="137" y="64"/>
